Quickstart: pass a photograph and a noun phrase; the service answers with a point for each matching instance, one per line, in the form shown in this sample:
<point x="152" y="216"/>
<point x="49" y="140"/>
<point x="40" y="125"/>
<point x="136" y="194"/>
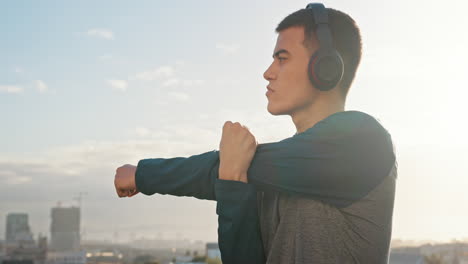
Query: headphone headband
<point x="322" y="29"/>
<point x="320" y="14"/>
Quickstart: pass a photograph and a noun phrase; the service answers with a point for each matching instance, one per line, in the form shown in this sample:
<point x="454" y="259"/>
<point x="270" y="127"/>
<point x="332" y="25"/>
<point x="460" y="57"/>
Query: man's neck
<point x="315" y="113"/>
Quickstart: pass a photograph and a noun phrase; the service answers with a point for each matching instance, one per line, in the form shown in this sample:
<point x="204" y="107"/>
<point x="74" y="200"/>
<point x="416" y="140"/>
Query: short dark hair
<point x="346" y="38"/>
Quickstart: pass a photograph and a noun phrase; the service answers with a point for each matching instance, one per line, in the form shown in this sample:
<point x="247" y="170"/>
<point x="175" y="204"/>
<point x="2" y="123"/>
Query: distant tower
<point x="65" y="229"/>
<point x="17" y="228"/>
<point x="212" y="251"/>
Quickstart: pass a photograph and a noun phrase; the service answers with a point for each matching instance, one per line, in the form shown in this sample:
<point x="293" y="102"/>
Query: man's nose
<point x="268" y="74"/>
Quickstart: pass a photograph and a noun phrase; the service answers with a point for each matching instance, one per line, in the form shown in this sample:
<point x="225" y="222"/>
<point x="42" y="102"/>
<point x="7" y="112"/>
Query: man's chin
<point x="275" y="112"/>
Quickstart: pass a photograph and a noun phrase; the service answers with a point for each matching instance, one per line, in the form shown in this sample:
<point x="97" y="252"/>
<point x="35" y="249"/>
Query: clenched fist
<point x="236" y="151"/>
<point x="125" y="181"/>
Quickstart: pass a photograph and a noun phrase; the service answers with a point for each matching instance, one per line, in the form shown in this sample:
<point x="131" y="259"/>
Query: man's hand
<point x="125" y="181"/>
<point x="236" y="151"/>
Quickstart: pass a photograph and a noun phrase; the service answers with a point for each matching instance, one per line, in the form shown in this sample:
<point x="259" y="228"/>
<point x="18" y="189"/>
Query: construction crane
<point x="79" y="199"/>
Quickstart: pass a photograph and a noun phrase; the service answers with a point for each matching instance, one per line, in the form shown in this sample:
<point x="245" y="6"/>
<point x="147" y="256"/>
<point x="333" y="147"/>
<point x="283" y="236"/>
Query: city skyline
<point x="149" y="241"/>
<point x="87" y="87"/>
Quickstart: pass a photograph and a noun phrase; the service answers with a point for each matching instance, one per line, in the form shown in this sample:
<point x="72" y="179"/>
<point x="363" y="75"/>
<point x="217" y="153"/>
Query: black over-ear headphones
<point x="325" y="65"/>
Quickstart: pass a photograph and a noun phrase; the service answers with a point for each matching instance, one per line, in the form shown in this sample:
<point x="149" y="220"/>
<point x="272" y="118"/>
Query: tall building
<point x="17" y="228"/>
<point x="20" y="246"/>
<point x="212" y="251"/>
<point x="65" y="229"/>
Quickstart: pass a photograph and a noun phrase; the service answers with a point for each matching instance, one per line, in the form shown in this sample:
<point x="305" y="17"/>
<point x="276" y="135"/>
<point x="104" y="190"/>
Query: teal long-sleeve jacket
<point x="338" y="160"/>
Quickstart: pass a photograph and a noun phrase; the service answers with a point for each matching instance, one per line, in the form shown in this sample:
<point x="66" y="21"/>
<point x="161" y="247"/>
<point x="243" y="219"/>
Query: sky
<point x="86" y="87"/>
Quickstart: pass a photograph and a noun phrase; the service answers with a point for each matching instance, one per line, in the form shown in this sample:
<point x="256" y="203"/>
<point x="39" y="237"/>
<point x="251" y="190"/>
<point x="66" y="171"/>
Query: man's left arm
<point x="239" y="235"/>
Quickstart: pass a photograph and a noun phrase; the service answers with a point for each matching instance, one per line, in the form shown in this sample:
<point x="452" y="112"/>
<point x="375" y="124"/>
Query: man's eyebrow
<point x="279" y="52"/>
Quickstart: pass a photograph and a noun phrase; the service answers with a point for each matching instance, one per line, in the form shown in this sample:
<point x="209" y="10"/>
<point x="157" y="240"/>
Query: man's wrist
<point x="233" y="176"/>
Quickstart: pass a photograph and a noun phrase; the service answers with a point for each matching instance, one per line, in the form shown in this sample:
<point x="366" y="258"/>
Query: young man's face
<point x="287" y="75"/>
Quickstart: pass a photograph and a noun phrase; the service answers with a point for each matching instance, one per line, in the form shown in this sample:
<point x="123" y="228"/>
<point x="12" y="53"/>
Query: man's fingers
<point x="135" y="192"/>
<point x="126" y="193"/>
<point x="121" y="193"/>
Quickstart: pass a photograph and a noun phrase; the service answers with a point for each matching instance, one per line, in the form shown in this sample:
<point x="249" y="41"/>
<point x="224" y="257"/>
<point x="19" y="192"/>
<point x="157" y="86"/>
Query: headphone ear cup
<point x="310" y="70"/>
<point x="325" y="69"/>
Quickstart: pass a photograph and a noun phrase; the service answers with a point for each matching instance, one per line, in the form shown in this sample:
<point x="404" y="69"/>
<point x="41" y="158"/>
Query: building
<point x="65" y="229"/>
<point x="212" y="251"/>
<point x="104" y="257"/>
<point x="19" y="246"/>
<point x="66" y="257"/>
<point x="2" y="250"/>
<point x="23" y="252"/>
<point x="17" y="228"/>
<point x="455" y="252"/>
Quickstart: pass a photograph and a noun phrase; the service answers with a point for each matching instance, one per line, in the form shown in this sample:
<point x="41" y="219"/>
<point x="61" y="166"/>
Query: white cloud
<point x="155" y="74"/>
<point x="183" y="97"/>
<point x="185" y="83"/>
<point x="11" y="89"/>
<point x="101" y="33"/>
<point x="160" y="103"/>
<point x="166" y="75"/>
<point x="11" y="177"/>
<point x="41" y="86"/>
<point x="7" y="173"/>
<point x="142" y="131"/>
<point x="118" y="84"/>
<point x="228" y="48"/>
<point x="203" y="116"/>
<point x="171" y="82"/>
<point x="192" y="82"/>
<point x="180" y="62"/>
<point x="105" y="57"/>
<point x="18" y="180"/>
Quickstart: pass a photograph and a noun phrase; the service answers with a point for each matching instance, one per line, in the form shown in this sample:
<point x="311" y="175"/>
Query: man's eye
<point x="281" y="59"/>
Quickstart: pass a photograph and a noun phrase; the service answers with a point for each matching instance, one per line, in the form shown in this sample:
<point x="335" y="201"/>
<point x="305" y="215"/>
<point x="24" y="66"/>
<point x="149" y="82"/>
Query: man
<point x="324" y="195"/>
